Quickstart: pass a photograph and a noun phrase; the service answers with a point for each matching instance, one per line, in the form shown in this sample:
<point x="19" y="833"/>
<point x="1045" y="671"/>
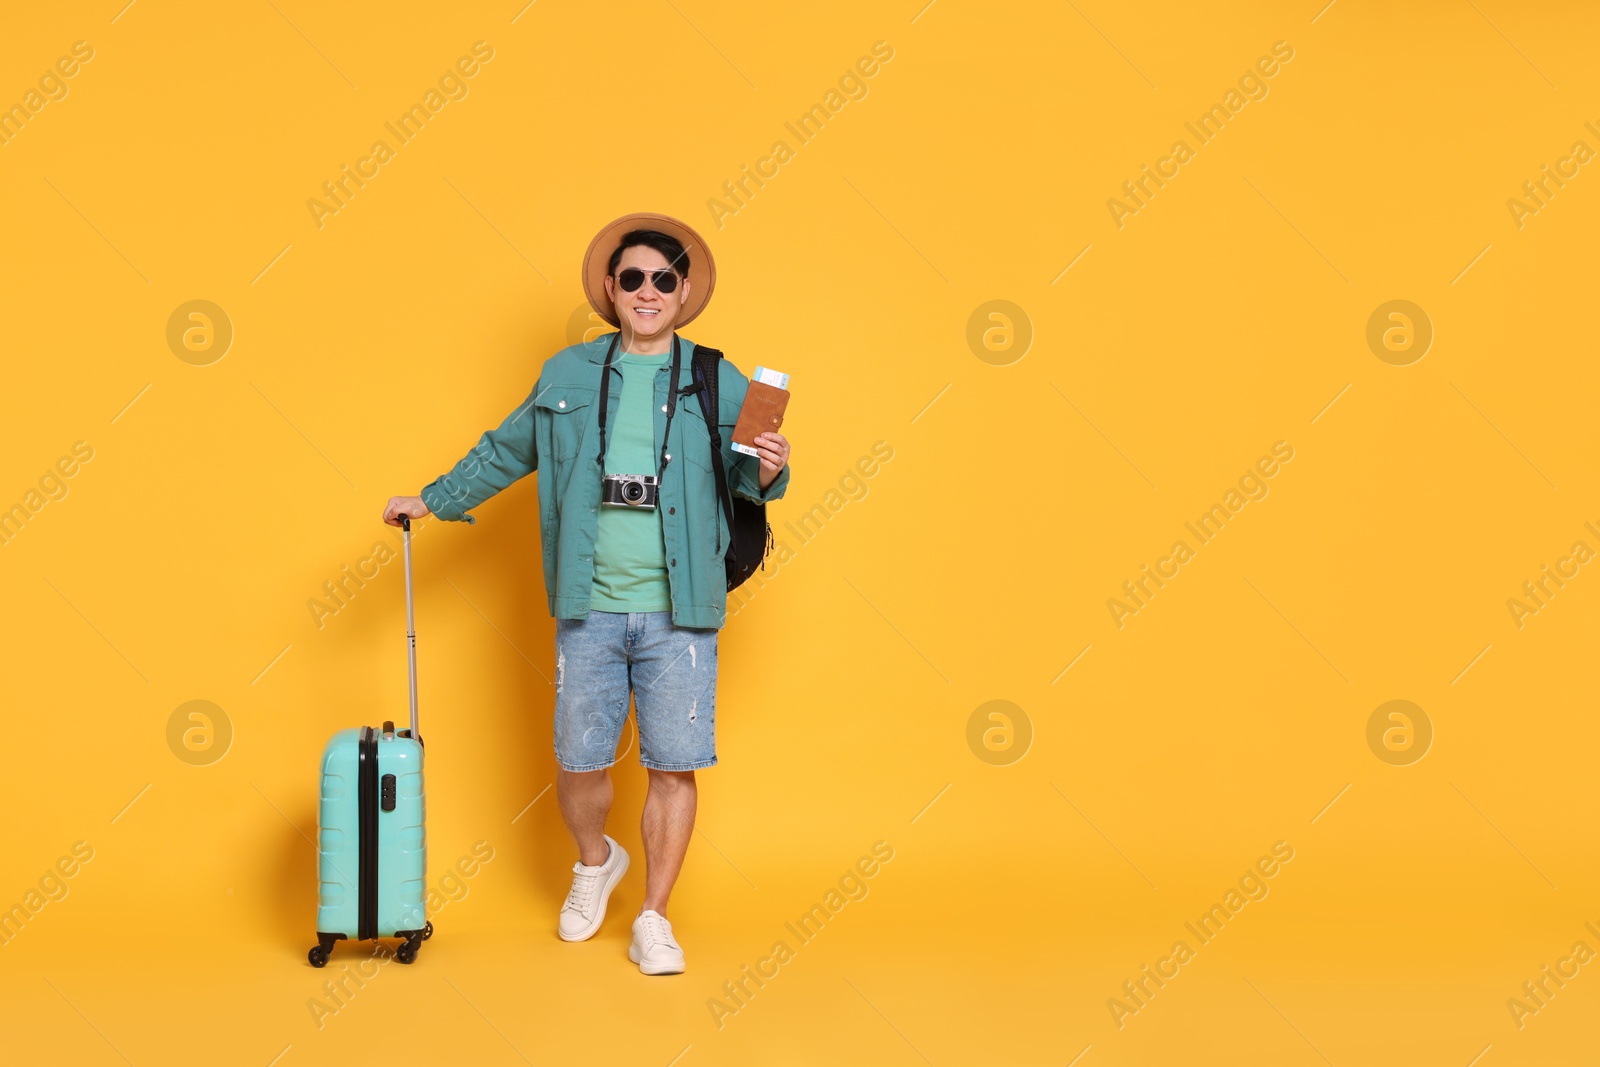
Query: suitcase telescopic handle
<point x="411" y="627"/>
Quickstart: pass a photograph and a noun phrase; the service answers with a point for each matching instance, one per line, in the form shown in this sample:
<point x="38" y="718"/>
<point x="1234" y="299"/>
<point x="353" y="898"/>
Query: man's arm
<point x="500" y="457"/>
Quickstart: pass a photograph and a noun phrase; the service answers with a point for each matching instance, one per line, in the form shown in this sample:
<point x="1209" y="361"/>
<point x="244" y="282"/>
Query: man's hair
<point x="668" y="245"/>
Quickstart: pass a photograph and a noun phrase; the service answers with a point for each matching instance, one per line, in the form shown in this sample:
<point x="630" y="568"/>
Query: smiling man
<point x="634" y="538"/>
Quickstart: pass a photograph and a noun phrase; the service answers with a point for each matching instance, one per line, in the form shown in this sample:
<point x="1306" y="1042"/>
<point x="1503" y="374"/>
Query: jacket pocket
<point x="696" y="441"/>
<point x="569" y="412"/>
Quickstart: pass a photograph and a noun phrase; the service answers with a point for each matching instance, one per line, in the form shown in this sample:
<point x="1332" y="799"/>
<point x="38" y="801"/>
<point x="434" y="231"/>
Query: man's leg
<point x="585" y="798"/>
<point x="591" y="705"/>
<point x="667" y="825"/>
<point x="675" y="692"/>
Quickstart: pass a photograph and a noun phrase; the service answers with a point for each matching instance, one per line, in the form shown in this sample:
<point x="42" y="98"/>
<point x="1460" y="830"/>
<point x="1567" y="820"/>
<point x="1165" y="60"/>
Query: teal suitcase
<point x="372" y="854"/>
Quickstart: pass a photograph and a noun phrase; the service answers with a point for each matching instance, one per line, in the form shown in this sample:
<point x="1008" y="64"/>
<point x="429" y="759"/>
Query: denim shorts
<point x="671" y="672"/>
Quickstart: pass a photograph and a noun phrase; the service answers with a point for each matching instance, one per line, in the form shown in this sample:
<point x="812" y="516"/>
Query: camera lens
<point x="632" y="492"/>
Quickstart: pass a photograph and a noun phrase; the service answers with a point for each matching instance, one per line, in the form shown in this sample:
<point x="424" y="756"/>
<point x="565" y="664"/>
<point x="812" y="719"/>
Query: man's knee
<point x="671" y="782"/>
<point x="581" y="781"/>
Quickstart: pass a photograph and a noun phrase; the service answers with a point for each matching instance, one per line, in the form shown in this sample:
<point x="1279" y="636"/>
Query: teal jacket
<point x="555" y="431"/>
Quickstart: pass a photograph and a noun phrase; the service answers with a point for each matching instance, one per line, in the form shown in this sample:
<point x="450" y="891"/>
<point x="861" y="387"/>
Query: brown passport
<point x="762" y="411"/>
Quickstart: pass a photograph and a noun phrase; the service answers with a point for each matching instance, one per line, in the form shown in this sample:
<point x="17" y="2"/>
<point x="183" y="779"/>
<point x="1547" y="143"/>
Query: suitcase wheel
<point x="318" y="956"/>
<point x="407" y="953"/>
<point x="427" y="930"/>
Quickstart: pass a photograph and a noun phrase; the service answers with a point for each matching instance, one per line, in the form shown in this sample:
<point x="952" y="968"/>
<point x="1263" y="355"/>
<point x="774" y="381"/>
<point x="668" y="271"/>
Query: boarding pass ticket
<point x="775" y="378"/>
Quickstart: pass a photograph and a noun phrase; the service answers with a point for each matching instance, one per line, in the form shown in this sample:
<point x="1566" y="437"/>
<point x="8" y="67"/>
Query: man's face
<point x="647" y="311"/>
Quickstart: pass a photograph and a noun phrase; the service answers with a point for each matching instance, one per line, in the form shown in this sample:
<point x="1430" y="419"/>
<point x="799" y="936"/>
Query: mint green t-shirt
<point x="630" y="553"/>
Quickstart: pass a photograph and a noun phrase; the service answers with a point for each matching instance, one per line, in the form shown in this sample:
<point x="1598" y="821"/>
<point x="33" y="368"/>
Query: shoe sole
<point x="633" y="955"/>
<point x="605" y="897"/>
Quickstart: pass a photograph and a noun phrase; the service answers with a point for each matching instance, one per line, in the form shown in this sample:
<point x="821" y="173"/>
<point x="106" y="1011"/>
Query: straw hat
<point x="702" y="270"/>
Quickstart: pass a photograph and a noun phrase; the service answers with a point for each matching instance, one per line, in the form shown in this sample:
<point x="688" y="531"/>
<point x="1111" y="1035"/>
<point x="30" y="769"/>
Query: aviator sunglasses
<point x="632" y="278"/>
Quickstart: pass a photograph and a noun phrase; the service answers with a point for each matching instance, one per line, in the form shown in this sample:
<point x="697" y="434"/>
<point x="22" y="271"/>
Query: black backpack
<point x="751" y="533"/>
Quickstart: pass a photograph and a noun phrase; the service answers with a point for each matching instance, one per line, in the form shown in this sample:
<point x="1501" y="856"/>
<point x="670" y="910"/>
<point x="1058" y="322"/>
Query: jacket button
<point x="561" y="403"/>
<point x="674" y="563"/>
<point x="672" y="511"/>
<point x="663" y="407"/>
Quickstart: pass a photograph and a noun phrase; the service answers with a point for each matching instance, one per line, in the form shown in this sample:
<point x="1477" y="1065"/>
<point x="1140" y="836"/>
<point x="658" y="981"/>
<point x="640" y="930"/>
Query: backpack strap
<point x="706" y="364"/>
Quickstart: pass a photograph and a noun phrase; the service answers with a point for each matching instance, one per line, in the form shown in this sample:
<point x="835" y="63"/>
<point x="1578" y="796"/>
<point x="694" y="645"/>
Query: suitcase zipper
<point x="367" y="786"/>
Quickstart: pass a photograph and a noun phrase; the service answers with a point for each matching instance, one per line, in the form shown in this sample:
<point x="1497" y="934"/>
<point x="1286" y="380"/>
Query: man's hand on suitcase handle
<point x="409" y="506"/>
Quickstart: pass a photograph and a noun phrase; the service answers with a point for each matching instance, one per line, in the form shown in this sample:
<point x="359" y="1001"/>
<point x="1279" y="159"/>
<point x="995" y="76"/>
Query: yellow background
<point x="1227" y="715"/>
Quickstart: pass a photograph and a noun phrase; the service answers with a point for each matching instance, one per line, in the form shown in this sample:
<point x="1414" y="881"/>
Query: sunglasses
<point x="632" y="278"/>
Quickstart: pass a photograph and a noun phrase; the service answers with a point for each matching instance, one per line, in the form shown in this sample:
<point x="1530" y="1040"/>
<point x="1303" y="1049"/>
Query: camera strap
<point x="672" y="401"/>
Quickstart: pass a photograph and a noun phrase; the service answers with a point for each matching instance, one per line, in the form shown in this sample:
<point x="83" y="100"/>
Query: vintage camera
<point x="629" y="490"/>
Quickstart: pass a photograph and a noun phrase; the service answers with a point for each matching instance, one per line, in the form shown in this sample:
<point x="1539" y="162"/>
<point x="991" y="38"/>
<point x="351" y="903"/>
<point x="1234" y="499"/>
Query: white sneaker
<point x="653" y="948"/>
<point x="585" y="908"/>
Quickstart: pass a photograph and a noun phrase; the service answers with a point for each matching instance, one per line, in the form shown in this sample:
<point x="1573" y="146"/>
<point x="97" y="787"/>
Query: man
<point x="639" y="592"/>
